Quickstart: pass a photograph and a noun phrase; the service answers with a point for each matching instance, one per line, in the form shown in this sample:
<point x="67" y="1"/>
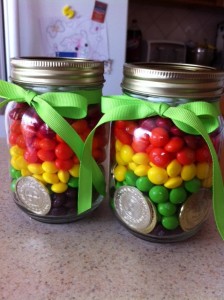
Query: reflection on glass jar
<point x="162" y="165"/>
<point x="44" y="156"/>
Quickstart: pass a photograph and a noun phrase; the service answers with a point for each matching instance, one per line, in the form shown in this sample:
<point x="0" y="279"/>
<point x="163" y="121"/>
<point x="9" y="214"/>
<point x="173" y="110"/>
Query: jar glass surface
<point x="44" y="169"/>
<point x="161" y="176"/>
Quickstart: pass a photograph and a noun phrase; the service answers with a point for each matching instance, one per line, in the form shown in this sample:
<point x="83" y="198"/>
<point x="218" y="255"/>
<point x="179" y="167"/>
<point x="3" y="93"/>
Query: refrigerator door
<point x="2" y="45"/>
<point x="3" y="75"/>
<point x="28" y="23"/>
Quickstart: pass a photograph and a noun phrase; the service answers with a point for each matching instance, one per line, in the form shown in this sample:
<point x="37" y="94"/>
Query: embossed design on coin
<point x="195" y="210"/>
<point x="33" y="195"/>
<point x="134" y="209"/>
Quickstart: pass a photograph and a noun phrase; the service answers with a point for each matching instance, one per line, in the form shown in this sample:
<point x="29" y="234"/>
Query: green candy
<point x="167" y="209"/>
<point x="170" y="222"/>
<point x="178" y="195"/>
<point x="130" y="178"/>
<point x="73" y="182"/>
<point x="15" y="174"/>
<point x="118" y="184"/>
<point x="159" y="194"/>
<point x="193" y="185"/>
<point x="143" y="184"/>
<point x="13" y="185"/>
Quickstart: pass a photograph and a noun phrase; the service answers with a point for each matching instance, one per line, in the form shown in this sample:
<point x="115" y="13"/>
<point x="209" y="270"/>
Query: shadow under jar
<point x="164" y="148"/>
<point x="46" y="133"/>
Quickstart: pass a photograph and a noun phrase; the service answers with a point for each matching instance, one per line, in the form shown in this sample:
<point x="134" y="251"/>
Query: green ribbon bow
<point x="52" y="107"/>
<point x="193" y="118"/>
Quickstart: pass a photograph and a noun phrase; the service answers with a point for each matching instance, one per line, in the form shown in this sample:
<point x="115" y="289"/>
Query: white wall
<point x="2" y="126"/>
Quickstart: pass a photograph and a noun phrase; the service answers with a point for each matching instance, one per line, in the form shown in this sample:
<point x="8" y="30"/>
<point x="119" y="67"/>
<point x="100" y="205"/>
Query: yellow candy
<point x="59" y="187"/>
<point x="118" y="145"/>
<point x="174" y="168"/>
<point x="173" y="182"/>
<point x="50" y="178"/>
<point x="18" y="162"/>
<point x="140" y="158"/>
<point x="203" y="170"/>
<point x="119" y="172"/>
<point x="141" y="170"/>
<point x="126" y="153"/>
<point x="188" y="172"/>
<point x="74" y="171"/>
<point x="39" y="177"/>
<point x="25" y="172"/>
<point x="119" y="160"/>
<point x="63" y="176"/>
<point x="49" y="167"/>
<point x="35" y="168"/>
<point x="157" y="175"/>
<point x="207" y="183"/>
<point x="16" y="151"/>
<point x="132" y="165"/>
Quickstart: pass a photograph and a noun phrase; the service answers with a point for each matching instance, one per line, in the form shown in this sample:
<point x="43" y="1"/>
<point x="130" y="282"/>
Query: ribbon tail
<point x="218" y="197"/>
<point x="55" y="121"/>
<point x="88" y="167"/>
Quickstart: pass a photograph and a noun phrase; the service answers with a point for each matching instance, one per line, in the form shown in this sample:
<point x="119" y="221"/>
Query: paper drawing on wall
<point x="83" y="37"/>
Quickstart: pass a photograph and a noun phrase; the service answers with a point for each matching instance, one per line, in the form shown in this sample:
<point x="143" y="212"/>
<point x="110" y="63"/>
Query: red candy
<point x="41" y="143"/>
<point x="15" y="127"/>
<point x="31" y="156"/>
<point x="194" y="141"/>
<point x="160" y="157"/>
<point x="63" y="151"/>
<point x="123" y="136"/>
<point x="164" y="123"/>
<point x="64" y="165"/>
<point x="186" y="156"/>
<point x="47" y="144"/>
<point x="46" y="155"/>
<point x="80" y="126"/>
<point x="20" y="141"/>
<point x="174" y="144"/>
<point x="163" y="141"/>
<point x="203" y="154"/>
<point x="159" y="137"/>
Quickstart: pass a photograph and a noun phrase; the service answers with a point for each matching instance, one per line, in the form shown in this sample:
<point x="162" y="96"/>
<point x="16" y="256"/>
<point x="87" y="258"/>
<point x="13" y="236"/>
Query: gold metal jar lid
<point x="173" y="80"/>
<point x="57" y="71"/>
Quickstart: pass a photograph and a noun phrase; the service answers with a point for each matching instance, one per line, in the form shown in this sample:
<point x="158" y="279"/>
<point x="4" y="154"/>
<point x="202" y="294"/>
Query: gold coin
<point x="195" y="210"/>
<point x="134" y="209"/>
<point x="33" y="195"/>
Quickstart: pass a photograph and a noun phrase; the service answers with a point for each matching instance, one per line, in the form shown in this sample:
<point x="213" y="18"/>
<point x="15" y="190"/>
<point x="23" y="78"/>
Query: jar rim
<point x="173" y="80"/>
<point x="55" y="71"/>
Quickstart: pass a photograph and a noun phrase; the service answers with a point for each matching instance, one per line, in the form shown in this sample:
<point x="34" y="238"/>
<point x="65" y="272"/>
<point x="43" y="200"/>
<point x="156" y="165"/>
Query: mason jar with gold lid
<point x="165" y="140"/>
<point x="53" y="105"/>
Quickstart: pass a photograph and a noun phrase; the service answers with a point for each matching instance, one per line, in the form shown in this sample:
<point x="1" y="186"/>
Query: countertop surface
<point x="97" y="258"/>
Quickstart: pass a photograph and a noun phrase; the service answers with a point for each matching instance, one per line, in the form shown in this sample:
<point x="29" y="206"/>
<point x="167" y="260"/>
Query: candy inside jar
<point x="53" y="105"/>
<point x="37" y="151"/>
<point x="166" y="139"/>
<point x="167" y="166"/>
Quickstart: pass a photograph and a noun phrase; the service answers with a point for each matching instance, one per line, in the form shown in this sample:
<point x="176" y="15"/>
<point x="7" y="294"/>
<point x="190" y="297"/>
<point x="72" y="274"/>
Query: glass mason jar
<point x="165" y="137"/>
<point x="56" y="105"/>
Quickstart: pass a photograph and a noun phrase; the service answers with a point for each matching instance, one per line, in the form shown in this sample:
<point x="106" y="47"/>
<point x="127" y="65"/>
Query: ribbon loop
<point x="161" y="109"/>
<point x="29" y="96"/>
